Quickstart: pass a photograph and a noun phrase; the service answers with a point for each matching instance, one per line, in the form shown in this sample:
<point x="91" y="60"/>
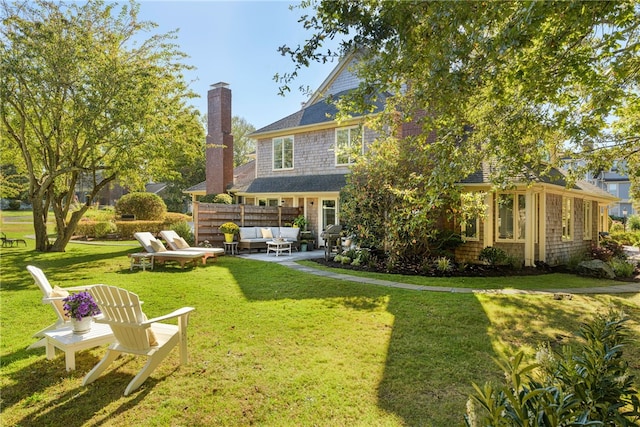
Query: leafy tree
<point x="242" y="144"/>
<point x="85" y="96"/>
<point x="144" y="206"/>
<point x="517" y="84"/>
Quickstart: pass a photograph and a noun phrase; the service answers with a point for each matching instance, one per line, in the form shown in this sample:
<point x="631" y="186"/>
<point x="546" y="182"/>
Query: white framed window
<point x="283" y="153"/>
<point x="470" y="230"/>
<point x="511" y="220"/>
<point x="269" y="202"/>
<point x="587" y="218"/>
<point x="348" y="145"/>
<point x="567" y="218"/>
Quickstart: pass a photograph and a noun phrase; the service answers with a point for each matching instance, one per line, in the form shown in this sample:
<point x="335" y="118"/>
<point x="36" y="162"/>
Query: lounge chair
<point x="177" y="243"/>
<point x="9" y="243"/>
<point x="161" y="254"/>
<point x="135" y="334"/>
<point x="54" y="297"/>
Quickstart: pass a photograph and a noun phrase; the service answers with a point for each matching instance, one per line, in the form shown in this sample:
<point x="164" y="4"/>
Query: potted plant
<point x="301" y="222"/>
<point x="229" y="229"/>
<point x="80" y="307"/>
<point x="303" y="245"/>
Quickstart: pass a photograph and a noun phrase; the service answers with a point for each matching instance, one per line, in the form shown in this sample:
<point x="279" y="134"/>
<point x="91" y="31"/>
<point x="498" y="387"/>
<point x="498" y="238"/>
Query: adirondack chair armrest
<point x="177" y="313"/>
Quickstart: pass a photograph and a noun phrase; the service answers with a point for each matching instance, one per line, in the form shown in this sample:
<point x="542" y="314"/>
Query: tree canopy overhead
<point x="85" y="96"/>
<point x="534" y="80"/>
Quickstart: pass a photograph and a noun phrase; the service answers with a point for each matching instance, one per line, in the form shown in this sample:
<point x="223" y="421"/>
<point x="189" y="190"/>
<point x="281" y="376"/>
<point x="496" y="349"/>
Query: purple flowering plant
<point x="80" y="305"/>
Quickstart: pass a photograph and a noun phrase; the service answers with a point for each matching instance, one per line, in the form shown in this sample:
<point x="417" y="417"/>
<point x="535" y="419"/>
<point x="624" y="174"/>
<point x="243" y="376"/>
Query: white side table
<point x="141" y="260"/>
<point x="231" y="248"/>
<point x="65" y="340"/>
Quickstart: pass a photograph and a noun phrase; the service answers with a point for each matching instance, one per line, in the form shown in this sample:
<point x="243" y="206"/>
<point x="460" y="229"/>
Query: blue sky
<point x="236" y="42"/>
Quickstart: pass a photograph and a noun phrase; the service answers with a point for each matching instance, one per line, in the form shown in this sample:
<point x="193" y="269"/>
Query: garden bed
<point x="469" y="270"/>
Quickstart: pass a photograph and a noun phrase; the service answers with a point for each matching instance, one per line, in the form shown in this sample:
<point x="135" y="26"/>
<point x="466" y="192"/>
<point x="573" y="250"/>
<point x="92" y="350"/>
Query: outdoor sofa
<point x="257" y="237"/>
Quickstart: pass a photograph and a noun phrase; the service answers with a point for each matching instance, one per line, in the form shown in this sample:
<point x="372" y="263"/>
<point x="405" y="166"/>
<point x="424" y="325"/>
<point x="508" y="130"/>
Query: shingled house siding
<point x="312" y="154"/>
<point x="469" y="251"/>
<point x="559" y="251"/>
<point x="345" y="81"/>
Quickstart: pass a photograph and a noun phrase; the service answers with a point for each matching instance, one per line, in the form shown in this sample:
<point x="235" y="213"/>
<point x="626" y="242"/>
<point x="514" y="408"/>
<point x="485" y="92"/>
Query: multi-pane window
<point x="511" y="218"/>
<point x="587" y="220"/>
<point x="348" y="145"/>
<point x="283" y="153"/>
<point x="567" y="218"/>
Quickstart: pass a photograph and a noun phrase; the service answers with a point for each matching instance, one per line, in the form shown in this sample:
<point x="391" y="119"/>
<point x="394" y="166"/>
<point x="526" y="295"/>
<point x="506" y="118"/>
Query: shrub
<point x="444" y="264"/>
<point x="145" y="206"/>
<point x="616" y="248"/>
<point x="590" y="385"/>
<point x="616" y="227"/>
<point x="492" y="256"/>
<point x="223" y="198"/>
<point x="14" y="205"/>
<point x="184" y="230"/>
<point x="103" y="228"/>
<point x="514" y="262"/>
<point x="600" y="252"/>
<point x="621" y="267"/>
<point x="629" y="238"/>
<point x="576" y="259"/>
<point x="633" y="223"/>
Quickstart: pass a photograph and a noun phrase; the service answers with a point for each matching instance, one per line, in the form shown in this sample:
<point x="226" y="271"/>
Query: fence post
<point x="242" y="215"/>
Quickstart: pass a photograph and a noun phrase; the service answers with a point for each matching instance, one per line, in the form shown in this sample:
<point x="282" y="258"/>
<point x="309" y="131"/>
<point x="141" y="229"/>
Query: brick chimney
<point x="219" y="152"/>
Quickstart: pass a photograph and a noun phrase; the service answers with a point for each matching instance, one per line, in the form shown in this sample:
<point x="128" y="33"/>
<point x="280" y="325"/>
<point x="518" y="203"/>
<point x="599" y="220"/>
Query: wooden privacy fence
<point x="211" y="215"/>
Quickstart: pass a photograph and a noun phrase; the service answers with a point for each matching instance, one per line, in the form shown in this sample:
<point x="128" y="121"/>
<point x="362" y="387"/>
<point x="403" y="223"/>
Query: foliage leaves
<point x="532" y="80"/>
<point x="86" y="99"/>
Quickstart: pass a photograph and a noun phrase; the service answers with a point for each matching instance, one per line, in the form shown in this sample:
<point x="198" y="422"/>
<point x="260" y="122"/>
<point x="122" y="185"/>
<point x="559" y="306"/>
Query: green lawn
<point x="273" y="346"/>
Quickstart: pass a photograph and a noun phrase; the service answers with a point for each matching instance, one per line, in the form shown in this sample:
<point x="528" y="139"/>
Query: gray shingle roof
<point x="555" y="177"/>
<point x="298" y="184"/>
<point x="320" y="112"/>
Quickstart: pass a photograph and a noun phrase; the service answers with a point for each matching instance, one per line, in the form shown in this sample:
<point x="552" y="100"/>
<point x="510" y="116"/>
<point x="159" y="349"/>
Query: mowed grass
<point x="272" y="346"/>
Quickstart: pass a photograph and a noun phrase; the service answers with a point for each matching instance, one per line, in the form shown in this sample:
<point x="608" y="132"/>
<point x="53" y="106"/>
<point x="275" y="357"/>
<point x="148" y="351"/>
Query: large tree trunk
<point x="40" y="226"/>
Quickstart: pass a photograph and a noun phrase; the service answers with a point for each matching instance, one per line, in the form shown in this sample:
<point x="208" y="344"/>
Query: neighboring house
<point x="302" y="161"/>
<point x="615" y="181"/>
<point x="618" y="184"/>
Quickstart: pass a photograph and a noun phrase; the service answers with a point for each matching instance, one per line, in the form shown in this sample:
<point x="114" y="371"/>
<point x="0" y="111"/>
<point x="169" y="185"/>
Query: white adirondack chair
<point x="52" y="297"/>
<point x="135" y="334"/>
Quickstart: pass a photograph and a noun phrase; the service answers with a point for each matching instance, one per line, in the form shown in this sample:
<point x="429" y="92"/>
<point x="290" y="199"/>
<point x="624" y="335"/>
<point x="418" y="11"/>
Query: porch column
<point x="529" y="232"/>
<point x="542" y="233"/>
<point x="489" y="220"/>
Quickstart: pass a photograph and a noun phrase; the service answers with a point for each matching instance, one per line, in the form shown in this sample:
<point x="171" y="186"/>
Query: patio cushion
<point x="248" y="232"/>
<point x="266" y="233"/>
<point x="289" y="233"/>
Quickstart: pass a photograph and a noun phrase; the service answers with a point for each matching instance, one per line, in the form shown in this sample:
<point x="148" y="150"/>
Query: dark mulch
<point x="469" y="270"/>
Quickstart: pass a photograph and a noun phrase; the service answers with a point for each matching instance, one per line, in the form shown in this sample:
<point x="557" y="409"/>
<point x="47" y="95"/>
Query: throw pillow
<point x="60" y="293"/>
<point x="158" y="246"/>
<point x="266" y="233"/>
<point x="180" y="243"/>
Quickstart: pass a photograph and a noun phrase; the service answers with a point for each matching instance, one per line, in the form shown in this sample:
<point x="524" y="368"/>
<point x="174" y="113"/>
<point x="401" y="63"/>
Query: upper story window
<point x="567" y="218"/>
<point x="348" y="145"/>
<point x="283" y="153"/>
<point x="511" y="218"/>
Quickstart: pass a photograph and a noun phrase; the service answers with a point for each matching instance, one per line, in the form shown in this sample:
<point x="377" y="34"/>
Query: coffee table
<point x="64" y="339"/>
<point x="278" y="247"/>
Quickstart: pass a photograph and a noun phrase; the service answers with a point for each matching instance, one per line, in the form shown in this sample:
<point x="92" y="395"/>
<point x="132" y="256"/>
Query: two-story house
<point x="302" y="160"/>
